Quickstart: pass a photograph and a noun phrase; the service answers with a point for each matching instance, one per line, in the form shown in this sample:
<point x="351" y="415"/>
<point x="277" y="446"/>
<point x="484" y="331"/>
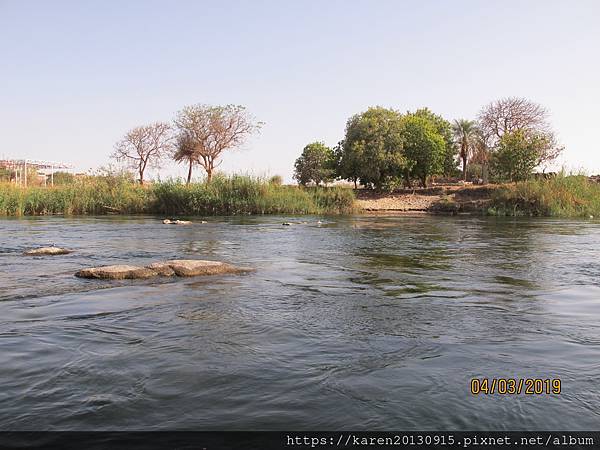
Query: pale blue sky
<point x="76" y="75"/>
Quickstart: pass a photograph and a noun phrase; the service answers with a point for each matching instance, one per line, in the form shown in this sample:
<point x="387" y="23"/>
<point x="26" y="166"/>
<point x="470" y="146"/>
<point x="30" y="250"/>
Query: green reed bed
<point x="564" y="196"/>
<point x="92" y="195"/>
<point x="248" y="195"/>
<point x="223" y="196"/>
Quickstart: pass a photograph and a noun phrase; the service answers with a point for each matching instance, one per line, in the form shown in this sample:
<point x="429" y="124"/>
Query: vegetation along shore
<point x="562" y="195"/>
<point x="388" y="161"/>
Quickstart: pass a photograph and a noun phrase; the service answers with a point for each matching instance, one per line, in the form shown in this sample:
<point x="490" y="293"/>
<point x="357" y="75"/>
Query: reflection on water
<point x="361" y="322"/>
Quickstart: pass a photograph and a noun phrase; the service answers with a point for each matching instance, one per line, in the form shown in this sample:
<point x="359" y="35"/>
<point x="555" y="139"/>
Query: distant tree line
<point x="385" y="149"/>
<point x="198" y="135"/>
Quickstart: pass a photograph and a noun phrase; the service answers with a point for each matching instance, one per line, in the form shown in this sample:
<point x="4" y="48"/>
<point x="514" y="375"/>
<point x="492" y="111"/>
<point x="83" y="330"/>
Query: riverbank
<point x="439" y="199"/>
<point x="562" y="196"/>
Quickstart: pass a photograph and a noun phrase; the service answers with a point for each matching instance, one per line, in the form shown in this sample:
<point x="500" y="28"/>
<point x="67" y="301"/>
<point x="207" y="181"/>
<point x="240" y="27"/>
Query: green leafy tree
<point x="466" y="134"/>
<point x="444" y="128"/>
<point x="348" y="162"/>
<point x="424" y="147"/>
<point x="517" y="154"/>
<point x="513" y="114"/>
<point x="372" y="148"/>
<point x="316" y="164"/>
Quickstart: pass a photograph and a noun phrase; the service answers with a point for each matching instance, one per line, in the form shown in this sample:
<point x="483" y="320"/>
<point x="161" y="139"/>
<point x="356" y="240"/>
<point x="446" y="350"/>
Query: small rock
<point x="177" y="222"/>
<point x="117" y="272"/>
<point x="47" y="251"/>
<point x="203" y="221"/>
<point x="287" y="224"/>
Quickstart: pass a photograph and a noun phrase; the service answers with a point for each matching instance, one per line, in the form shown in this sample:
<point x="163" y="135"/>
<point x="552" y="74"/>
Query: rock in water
<point x="177" y="222"/>
<point x="117" y="272"/>
<point x="179" y="267"/>
<point x="161" y="269"/>
<point x="47" y="251"/>
<point x="196" y="267"/>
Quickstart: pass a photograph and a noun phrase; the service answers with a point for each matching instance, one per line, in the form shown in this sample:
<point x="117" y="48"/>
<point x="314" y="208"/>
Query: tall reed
<point x="563" y="195"/>
<point x="223" y="196"/>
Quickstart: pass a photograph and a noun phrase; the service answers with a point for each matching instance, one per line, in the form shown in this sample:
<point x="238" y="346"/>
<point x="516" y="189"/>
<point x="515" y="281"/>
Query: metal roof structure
<point x="20" y="167"/>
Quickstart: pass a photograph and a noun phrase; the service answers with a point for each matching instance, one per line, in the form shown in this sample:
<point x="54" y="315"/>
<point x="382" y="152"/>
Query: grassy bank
<point x="562" y="196"/>
<point x="223" y="196"/>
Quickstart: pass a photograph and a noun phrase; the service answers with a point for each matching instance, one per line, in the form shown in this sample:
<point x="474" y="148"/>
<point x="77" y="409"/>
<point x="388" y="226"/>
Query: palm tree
<point x="465" y="133"/>
<point x="186" y="152"/>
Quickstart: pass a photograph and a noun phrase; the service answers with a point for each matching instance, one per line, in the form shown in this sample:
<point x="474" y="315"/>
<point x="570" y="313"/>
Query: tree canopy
<point x="444" y="128"/>
<point x="466" y="135"/>
<point x="517" y="154"/>
<point x="315" y="164"/>
<point x="384" y="148"/>
<point x="210" y="130"/>
<point x="372" y="148"/>
<point x="516" y="114"/>
<point x="424" y="147"/>
<point x="144" y="146"/>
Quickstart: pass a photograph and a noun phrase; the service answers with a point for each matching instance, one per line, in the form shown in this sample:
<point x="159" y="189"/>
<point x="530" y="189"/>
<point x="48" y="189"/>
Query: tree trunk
<point x="209" y="175"/>
<point x="355" y="185"/>
<point x="464" y="168"/>
<point x="189" y="177"/>
<point x="407" y="179"/>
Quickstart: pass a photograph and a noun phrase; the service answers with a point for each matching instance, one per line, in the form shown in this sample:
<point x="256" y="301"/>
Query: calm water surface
<point x="357" y="323"/>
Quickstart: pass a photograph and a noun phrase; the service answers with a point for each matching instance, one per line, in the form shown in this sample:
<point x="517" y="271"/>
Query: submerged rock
<point x="117" y="272"/>
<point x="47" y="251"/>
<point x="196" y="267"/>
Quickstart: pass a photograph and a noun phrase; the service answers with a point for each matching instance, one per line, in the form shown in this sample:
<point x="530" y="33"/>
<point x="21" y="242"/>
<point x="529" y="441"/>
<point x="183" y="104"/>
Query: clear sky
<point x="76" y="75"/>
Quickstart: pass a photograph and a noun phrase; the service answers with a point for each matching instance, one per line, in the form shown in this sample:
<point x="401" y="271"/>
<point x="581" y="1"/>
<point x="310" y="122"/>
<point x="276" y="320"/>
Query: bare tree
<point x="144" y="146"/>
<point x="512" y="114"/>
<point x="210" y="130"/>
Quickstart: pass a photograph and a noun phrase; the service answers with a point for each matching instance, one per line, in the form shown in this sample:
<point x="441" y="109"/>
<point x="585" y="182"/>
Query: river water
<point x="355" y="323"/>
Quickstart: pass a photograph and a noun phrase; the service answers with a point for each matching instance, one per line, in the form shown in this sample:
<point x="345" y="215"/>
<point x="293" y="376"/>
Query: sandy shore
<point x="449" y="199"/>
